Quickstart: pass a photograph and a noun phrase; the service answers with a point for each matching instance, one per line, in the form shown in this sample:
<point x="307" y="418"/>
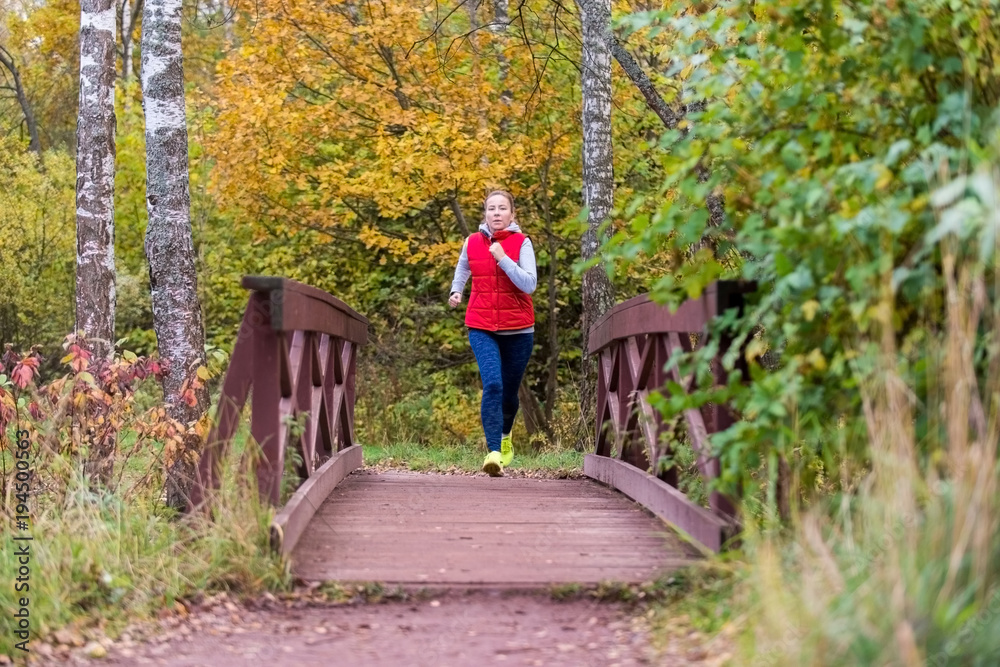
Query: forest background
<point x="306" y="164"/>
<point x="852" y="146"/>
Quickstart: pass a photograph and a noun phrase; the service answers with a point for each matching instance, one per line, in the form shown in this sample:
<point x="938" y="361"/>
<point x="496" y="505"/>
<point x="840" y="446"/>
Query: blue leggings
<point x="502" y="360"/>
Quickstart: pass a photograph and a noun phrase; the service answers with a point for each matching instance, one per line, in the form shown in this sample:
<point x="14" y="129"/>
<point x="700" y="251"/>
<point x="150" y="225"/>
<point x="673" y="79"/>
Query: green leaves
<point x="831" y="128"/>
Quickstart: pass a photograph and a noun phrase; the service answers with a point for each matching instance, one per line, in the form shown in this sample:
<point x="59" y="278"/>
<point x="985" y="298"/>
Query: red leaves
<point x="156" y="368"/>
<point x="22" y="374"/>
<point x="191" y="386"/>
<point x="77" y="357"/>
<point x="189" y="397"/>
<point x="22" y="371"/>
<point x="93" y="386"/>
<point x="93" y="399"/>
<point x="9" y="358"/>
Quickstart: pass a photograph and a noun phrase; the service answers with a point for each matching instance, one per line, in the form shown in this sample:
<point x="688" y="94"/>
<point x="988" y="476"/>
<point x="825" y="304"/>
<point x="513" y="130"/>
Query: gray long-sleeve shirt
<point x="522" y="273"/>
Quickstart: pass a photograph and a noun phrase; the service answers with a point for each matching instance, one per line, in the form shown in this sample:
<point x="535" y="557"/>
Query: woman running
<point x="500" y="317"/>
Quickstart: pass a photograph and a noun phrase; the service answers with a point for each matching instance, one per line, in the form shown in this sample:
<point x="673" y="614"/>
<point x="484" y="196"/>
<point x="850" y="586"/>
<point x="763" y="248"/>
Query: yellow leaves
<point x="437" y="253"/>
<point x="848" y="208"/>
<point x="755" y="349"/>
<point x="817" y="360"/>
<point x="883" y="178"/>
<point x="809" y="309"/>
<point x="880" y="312"/>
<point x="37" y="212"/>
<point x="814" y="360"/>
<point x="345" y="117"/>
<point x="918" y="203"/>
<point x="202" y="427"/>
<point x="372" y="238"/>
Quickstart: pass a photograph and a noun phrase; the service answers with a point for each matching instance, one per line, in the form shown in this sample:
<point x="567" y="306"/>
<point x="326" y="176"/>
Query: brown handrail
<point x="634" y="341"/>
<point x="297" y="350"/>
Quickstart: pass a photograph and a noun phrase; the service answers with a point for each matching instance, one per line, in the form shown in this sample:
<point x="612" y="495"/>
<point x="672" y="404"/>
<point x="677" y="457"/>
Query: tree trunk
<point x="229" y="20"/>
<point x="7" y="60"/>
<point x="534" y="419"/>
<point x="714" y="202"/>
<point x="470" y="9"/>
<point x="666" y="114"/>
<point x="95" y="178"/>
<point x="552" y="376"/>
<point x="456" y="208"/>
<point x="129" y="16"/>
<point x="95" y="211"/>
<point x="598" y="185"/>
<point x="177" y="320"/>
<point x="499" y="27"/>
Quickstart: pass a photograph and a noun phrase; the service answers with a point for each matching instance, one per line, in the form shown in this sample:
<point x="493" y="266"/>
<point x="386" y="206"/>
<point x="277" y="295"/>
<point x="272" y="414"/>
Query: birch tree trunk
<point x="498" y="27"/>
<point x="180" y="334"/>
<point x="598" y="184"/>
<point x="229" y="20"/>
<point x="95" y="177"/>
<point x="95" y="210"/>
<point x="129" y="15"/>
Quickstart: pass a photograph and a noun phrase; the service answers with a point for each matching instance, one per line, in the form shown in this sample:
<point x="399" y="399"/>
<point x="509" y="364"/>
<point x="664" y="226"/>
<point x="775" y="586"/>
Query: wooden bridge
<point x="295" y="357"/>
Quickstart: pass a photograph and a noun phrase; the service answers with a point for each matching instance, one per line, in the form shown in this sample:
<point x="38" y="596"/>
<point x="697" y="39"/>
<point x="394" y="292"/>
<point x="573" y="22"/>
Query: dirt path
<point x="477" y="628"/>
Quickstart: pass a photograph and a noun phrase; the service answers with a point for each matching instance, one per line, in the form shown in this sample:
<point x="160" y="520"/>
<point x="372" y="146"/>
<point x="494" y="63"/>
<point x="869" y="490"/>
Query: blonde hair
<point x="508" y="196"/>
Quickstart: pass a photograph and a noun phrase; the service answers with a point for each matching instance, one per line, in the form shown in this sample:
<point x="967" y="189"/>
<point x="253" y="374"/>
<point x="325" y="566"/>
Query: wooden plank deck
<point x="417" y="529"/>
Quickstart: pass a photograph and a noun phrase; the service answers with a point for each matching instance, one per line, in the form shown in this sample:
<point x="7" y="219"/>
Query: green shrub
<point x="856" y="146"/>
<point x="826" y="125"/>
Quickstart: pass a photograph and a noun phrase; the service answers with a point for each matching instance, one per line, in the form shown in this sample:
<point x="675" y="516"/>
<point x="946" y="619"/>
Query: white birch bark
<point x="95" y="207"/>
<point x="501" y="21"/>
<point x="229" y="20"/>
<point x="598" y="184"/>
<point x="95" y="177"/>
<point x="500" y="11"/>
<point x="177" y="319"/>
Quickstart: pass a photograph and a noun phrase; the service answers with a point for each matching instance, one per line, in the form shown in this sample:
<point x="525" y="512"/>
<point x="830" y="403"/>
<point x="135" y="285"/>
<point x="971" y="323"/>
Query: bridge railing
<point x="296" y="355"/>
<point x="634" y="341"/>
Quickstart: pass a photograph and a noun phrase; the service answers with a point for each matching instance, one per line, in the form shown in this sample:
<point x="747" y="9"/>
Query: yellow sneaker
<point x="506" y="450"/>
<point x="492" y="466"/>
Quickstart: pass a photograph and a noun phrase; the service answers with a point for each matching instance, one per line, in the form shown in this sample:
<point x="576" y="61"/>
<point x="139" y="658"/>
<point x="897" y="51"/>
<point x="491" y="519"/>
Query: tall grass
<point x="105" y="558"/>
<point x="905" y="569"/>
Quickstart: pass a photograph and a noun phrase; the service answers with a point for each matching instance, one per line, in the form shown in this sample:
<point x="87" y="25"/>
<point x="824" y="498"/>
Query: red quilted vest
<point x="495" y="303"/>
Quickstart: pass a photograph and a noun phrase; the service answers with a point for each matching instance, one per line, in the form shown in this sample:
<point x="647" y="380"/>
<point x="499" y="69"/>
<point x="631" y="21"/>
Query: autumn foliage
<point x="92" y="404"/>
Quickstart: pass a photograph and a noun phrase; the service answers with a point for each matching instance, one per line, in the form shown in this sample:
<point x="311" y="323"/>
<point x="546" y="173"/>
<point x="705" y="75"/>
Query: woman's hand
<point x="497" y="251"/>
<point x="455" y="299"/>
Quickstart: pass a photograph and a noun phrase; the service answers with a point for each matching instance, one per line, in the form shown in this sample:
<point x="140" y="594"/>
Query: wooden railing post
<point x="265" y="418"/>
<point x="634" y="341"/>
<point x="296" y="355"/>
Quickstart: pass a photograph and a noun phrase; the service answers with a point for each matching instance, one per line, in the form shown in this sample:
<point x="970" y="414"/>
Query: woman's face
<point x="498" y="213"/>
